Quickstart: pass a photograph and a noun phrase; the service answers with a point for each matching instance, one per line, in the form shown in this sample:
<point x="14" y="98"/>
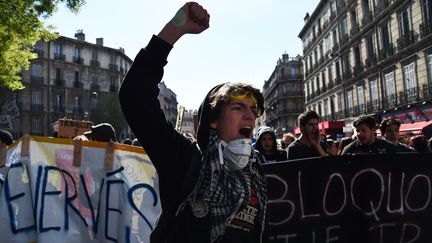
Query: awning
<point x="323" y="126"/>
<point x="415" y="127"/>
<point x="421" y="127"/>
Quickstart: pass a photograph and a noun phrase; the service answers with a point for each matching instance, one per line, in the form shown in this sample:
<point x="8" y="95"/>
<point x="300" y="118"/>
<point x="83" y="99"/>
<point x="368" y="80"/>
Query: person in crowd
<point x="127" y="141"/>
<point x="6" y="138"/>
<point x="212" y="190"/>
<point x="287" y="139"/>
<point x="366" y="141"/>
<point x="332" y="149"/>
<point x="309" y="143"/>
<point x="103" y="132"/>
<point x="343" y="143"/>
<point x="389" y="128"/>
<point x="430" y="144"/>
<point x="266" y="144"/>
<point x="419" y="143"/>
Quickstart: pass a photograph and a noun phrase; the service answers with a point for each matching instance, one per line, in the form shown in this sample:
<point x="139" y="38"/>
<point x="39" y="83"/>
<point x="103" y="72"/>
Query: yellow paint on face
<point x="247" y="94"/>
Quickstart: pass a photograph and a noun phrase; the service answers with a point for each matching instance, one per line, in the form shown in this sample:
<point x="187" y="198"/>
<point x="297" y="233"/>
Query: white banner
<point x="44" y="197"/>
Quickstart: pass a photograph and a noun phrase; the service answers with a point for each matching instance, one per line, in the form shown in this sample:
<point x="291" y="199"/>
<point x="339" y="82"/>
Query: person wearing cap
<point x="212" y="189"/>
<point x="102" y="132"/>
<point x="6" y="138"/>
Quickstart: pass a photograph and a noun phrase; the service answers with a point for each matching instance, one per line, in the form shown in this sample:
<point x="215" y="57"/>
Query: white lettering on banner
<point x="389" y="196"/>
<point x="51" y="200"/>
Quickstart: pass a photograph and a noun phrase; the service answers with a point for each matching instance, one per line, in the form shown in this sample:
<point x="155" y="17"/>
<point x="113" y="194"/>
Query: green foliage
<point x="108" y="110"/>
<point x="20" y="27"/>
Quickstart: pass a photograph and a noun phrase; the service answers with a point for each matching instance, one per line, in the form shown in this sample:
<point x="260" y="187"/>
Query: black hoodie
<point x="176" y="158"/>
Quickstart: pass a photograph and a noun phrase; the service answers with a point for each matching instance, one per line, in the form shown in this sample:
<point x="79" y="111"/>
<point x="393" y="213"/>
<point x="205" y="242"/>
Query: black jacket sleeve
<point x="170" y="152"/>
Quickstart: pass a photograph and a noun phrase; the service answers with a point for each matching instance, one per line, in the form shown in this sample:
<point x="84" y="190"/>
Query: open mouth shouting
<point x="246" y="132"/>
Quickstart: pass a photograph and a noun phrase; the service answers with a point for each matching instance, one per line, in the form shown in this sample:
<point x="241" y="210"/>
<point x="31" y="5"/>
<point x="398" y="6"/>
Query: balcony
<point x="78" y="85"/>
<point x="362" y="109"/>
<point x="36" y="107"/>
<point x="390" y="102"/>
<point x="349" y="112"/>
<point x="386" y="52"/>
<point x="373" y="106"/>
<point x="94" y="63"/>
<point x="59" y="56"/>
<point x="59" y="82"/>
<point x="407" y="40"/>
<point x="78" y="60"/>
<point x="38" y="80"/>
<point x="113" y="67"/>
<point x="410" y="96"/>
<point x="95" y="87"/>
<point x="425" y="29"/>
<point x="427" y="91"/>
<point x="332" y="16"/>
<point x="339" y="115"/>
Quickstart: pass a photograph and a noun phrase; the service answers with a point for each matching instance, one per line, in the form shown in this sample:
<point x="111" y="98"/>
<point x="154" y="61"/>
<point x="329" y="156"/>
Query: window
<point x="76" y="101"/>
<point x="36" y="126"/>
<point x="58" y="49"/>
<point x="370" y="48"/>
<point x="39" y="45"/>
<point x="94" y="55"/>
<point x="409" y="76"/>
<point x="390" y="85"/>
<point x="77" y="52"/>
<point x="36" y="70"/>
<point x="403" y="19"/>
<point x="353" y="16"/>
<point x="373" y="90"/>
<point x="76" y="76"/>
<point x="357" y="57"/>
<point x="293" y="72"/>
<point x="385" y="35"/>
<point x="350" y="102"/>
<point x="365" y="6"/>
<point x="427" y="12"/>
<point x="59" y="103"/>
<point x="361" y="98"/>
<point x="58" y="74"/>
<point x="343" y="27"/>
<point x="430" y="68"/>
<point x="390" y="90"/>
<point x="36" y="98"/>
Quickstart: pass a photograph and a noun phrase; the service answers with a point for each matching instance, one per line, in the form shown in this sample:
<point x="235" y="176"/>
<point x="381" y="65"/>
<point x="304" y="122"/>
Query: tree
<point x="108" y="110"/>
<point x="21" y="26"/>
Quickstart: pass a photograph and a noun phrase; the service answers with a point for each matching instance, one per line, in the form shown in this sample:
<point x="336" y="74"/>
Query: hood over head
<point x="207" y="114"/>
<point x="260" y="131"/>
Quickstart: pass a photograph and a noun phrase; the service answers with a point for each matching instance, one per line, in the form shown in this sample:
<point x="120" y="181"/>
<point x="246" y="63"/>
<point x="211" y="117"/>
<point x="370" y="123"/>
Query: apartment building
<point x="168" y="102"/>
<point x="369" y="57"/>
<point x="283" y="95"/>
<point x="66" y="80"/>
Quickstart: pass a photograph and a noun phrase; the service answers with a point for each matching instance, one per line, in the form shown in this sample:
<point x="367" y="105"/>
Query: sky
<point x="243" y="44"/>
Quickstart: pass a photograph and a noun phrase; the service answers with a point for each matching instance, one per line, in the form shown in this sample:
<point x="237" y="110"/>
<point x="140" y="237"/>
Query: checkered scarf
<point x="226" y="191"/>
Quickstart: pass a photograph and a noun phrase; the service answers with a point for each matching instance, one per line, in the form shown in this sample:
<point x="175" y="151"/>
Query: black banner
<point x="382" y="198"/>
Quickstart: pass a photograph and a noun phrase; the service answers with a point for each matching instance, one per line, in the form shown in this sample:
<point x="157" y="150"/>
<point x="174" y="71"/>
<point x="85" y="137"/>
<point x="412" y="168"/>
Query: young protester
<point x="211" y="190"/>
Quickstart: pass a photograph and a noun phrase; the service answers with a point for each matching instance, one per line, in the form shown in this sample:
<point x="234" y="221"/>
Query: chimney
<point x="285" y="57"/>
<point x="122" y="50"/>
<point x="306" y="18"/>
<point x="79" y="35"/>
<point x="99" y="41"/>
